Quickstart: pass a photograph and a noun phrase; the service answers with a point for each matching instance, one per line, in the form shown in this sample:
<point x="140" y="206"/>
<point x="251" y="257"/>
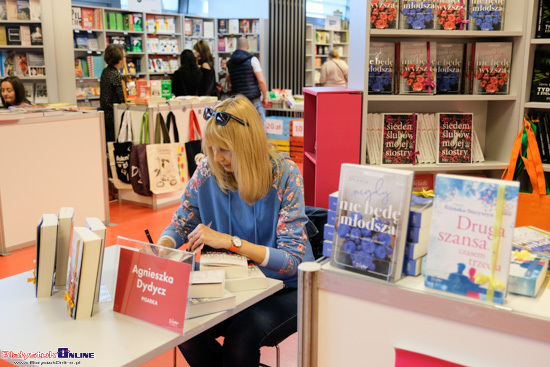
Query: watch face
<point x="236" y="241"/>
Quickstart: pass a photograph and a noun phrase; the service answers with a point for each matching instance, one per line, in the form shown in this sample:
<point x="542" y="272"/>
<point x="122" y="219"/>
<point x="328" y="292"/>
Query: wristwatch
<point x="236" y="244"/>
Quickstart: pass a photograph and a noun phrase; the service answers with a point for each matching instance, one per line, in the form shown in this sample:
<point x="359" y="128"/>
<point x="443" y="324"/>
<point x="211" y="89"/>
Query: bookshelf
<point x="319" y="42"/>
<point x="310" y="56"/>
<point x="497" y="118"/>
<point x="24" y="48"/>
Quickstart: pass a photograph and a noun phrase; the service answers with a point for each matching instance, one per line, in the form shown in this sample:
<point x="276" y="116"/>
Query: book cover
<point x="255" y="26"/>
<point x="170" y="24"/>
<point x="46" y="242"/>
<point x="527" y="273"/>
<point x="208" y="31"/>
<point x="381" y="67"/>
<point x="221" y="44"/>
<point x="450" y="15"/>
<point x="244" y="26"/>
<point x="8" y="63"/>
<point x="423" y="181"/>
<point x="543" y="19"/>
<point x="77" y="17"/>
<point x="36" y="35"/>
<point x="87" y="18"/>
<point x="253" y="44"/>
<point x="491" y="63"/>
<point x="371" y="220"/>
<point x="3" y="36"/>
<point x="197" y="27"/>
<point x="11" y="9"/>
<point x="3" y="11"/>
<point x="205" y="306"/>
<point x="540" y="82"/>
<point x="96" y="226"/>
<point x="255" y="279"/>
<point x="418" y="15"/>
<point x="187" y="27"/>
<point x="449" y="68"/>
<point x="93" y="43"/>
<point x="128" y="20"/>
<point x="81" y="40"/>
<point x="399" y="139"/>
<point x="23" y="10"/>
<point x="29" y="92"/>
<point x="454" y="139"/>
<point x="112" y="20"/>
<point x="119" y="22"/>
<point x="83" y="272"/>
<point x="152" y="289"/>
<point x="384" y="14"/>
<point x="13" y="35"/>
<point x="98" y="18"/>
<point x="233" y="26"/>
<point x="417" y="63"/>
<point x="469" y="251"/>
<point x="65" y="217"/>
<point x="138" y="22"/>
<point x="21" y="64"/>
<point x="222" y="25"/>
<point x="36" y="10"/>
<point x="208" y="283"/>
<point x="486" y="15"/>
<point x="235" y="266"/>
<point x="40" y="93"/>
<point x="25" y="35"/>
<point x="230" y="44"/>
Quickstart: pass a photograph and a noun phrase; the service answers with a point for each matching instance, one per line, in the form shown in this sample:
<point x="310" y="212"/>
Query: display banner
<point x="152" y="289"/>
<point x="147" y="6"/>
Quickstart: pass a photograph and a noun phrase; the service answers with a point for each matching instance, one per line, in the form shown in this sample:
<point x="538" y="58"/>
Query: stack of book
<point x="418" y="233"/>
<point x="297" y="140"/>
<point x="328" y="231"/>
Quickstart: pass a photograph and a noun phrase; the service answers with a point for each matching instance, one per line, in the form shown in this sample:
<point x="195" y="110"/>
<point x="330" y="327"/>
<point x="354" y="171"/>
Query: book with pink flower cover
<point x="491" y="63"/>
<point x="399" y="139"/>
<point x="417" y="67"/>
<point x="384" y="14"/>
<point x="450" y="15"/>
<point x="455" y="137"/>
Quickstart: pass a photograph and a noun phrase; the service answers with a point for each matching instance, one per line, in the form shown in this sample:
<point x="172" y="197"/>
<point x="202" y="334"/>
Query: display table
<point x="359" y="321"/>
<point x="30" y="325"/>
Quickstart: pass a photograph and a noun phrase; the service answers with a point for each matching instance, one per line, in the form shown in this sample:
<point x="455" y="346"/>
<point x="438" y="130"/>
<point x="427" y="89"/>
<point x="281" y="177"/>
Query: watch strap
<point x="233" y="248"/>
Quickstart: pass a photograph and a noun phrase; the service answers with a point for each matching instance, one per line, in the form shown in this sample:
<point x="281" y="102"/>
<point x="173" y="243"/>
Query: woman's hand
<point x="205" y="235"/>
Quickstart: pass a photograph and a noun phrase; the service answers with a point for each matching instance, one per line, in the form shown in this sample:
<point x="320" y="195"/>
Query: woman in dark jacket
<point x="186" y="80"/>
<point x="110" y="87"/>
<point x="206" y="62"/>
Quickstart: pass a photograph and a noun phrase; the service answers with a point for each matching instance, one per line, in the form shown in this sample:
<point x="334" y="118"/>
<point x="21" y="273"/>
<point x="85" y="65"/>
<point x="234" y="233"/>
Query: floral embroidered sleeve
<point x="187" y="217"/>
<point x="291" y="231"/>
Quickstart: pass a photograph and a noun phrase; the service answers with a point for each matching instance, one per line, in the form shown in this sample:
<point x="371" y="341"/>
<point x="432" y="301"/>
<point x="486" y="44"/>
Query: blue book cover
<point x="371" y="220"/>
<point x="471" y="236"/>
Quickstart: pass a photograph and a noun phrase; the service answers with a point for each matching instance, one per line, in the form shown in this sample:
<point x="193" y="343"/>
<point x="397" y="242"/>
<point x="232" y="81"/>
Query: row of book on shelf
<point x="20" y="10"/>
<point x="458" y="233"/>
<point x="22" y="64"/>
<point x="337" y="37"/>
<point x="21" y="35"/>
<point x="425" y="138"/>
<point x="198" y="28"/>
<point x="229" y="44"/>
<point x="36" y="93"/>
<point x="411" y="67"/>
<point x="235" y="26"/>
<point x="453" y="15"/>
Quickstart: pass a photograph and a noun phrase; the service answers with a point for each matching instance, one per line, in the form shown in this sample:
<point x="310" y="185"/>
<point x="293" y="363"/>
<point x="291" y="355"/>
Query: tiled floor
<point x="130" y="221"/>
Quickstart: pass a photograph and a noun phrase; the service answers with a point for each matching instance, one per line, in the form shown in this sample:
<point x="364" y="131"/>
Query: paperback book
<point x="543" y="19"/>
<point x="64" y="232"/>
<point x="455" y="136"/>
<point x="491" y="64"/>
<point x="96" y="225"/>
<point x="450" y="15"/>
<point x="235" y="266"/>
<point x="205" y="306"/>
<point x="540" y="83"/>
<point x="399" y="139"/>
<point x="417" y="14"/>
<point x="417" y="63"/>
<point x="371" y="220"/>
<point x="384" y="14"/>
<point x="381" y="67"/>
<point x="449" y="68"/>
<point x="222" y="25"/>
<point x="46" y="244"/>
<point x="197" y="27"/>
<point x="254" y="280"/>
<point x="207" y="283"/>
<point x="244" y="26"/>
<point x="469" y="251"/>
<point x="233" y="26"/>
<point x="486" y="15"/>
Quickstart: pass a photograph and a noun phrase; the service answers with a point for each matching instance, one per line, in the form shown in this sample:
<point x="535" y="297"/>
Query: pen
<point x="148" y="236"/>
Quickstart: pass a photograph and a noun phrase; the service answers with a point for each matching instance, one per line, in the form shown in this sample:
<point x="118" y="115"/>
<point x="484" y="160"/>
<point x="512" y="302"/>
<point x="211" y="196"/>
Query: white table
<point x="29" y="324"/>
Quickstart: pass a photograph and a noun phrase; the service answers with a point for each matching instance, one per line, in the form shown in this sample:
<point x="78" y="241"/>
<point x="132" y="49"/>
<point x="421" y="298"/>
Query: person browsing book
<point x="207" y="86"/>
<point x="253" y="198"/>
<point x="110" y="87"/>
<point x="13" y="92"/>
<point x="334" y="72"/>
<point x="186" y="80"/>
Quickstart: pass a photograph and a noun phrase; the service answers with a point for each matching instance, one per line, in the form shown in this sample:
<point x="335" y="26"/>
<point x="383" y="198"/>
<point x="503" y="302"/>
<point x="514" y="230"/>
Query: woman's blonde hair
<point x="333" y="54"/>
<point x="251" y="163"/>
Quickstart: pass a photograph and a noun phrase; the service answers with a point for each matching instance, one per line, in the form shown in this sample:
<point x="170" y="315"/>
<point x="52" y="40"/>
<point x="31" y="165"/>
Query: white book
<point x="233" y="26"/>
<point x="207" y="283"/>
<point x="205" y="306"/>
<point x="46" y="243"/>
<point x="256" y="279"/>
<point x="97" y="226"/>
<point x="234" y="265"/>
<point x="64" y="232"/>
<point x="208" y="29"/>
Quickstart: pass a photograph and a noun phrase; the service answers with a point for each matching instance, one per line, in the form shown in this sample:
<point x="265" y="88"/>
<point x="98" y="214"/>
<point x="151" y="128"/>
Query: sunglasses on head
<point x="222" y="118"/>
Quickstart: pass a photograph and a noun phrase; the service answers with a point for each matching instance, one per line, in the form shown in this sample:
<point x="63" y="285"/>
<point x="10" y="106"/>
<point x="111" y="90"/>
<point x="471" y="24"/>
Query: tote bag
<point x="193" y="148"/>
<point x="534" y="206"/>
<point x="161" y="160"/>
<point x="139" y="173"/>
<point x="181" y="156"/>
<point x="123" y="148"/>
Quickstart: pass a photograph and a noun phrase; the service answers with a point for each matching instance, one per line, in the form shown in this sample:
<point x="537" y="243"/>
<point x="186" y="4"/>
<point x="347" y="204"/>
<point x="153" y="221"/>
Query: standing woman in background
<point x="110" y="87"/>
<point x="13" y="92"/>
<point x="206" y="63"/>
<point x="186" y="80"/>
<point x="334" y="72"/>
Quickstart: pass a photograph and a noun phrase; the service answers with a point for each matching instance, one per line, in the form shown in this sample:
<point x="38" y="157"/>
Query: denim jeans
<point x="267" y="322"/>
<point x="257" y="102"/>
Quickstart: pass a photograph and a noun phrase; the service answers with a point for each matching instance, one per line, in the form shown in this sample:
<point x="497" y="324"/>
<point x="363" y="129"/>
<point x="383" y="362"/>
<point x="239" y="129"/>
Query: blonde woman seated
<point x="334" y="72"/>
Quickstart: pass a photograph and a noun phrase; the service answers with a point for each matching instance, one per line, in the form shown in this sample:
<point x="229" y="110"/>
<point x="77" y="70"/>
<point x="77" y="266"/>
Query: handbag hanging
<point x="139" y="172"/>
<point x="533" y="206"/>
<point x="193" y="148"/>
<point x="123" y="148"/>
<point x="181" y="157"/>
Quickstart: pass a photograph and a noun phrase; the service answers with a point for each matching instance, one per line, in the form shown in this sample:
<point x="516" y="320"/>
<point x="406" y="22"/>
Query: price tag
<point x="89" y="52"/>
<point x="273" y="126"/>
<point x="298" y="128"/>
<point x="90" y="31"/>
<point x="76" y="31"/>
<point x="125" y="33"/>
